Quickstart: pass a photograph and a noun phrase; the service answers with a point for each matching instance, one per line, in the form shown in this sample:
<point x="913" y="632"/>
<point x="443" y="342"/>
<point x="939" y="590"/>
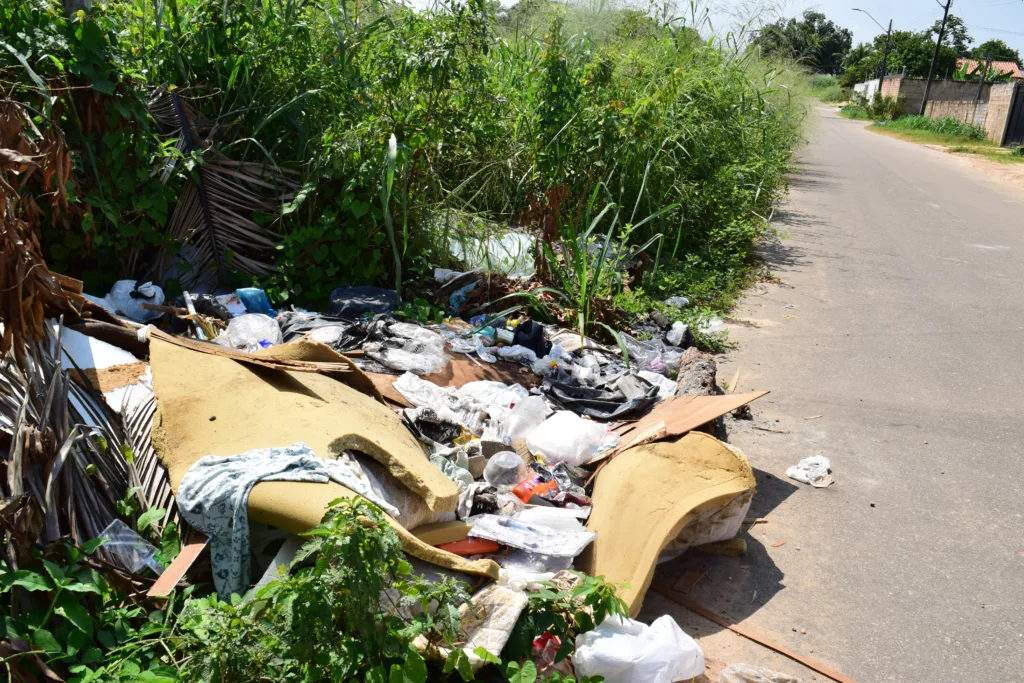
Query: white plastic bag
<point x="120" y="299"/>
<point x="253" y="331"/>
<point x="676" y="334"/>
<point x="528" y="414"/>
<point x="812" y="470"/>
<point x="745" y="673"/>
<point x="628" y="651"/>
<point x="567" y="437"/>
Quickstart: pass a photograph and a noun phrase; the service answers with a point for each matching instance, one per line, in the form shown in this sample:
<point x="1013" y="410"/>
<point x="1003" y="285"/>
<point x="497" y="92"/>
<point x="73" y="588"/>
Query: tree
<point x="999" y="51"/>
<point x="909" y="53"/>
<point x="816" y="41"/>
<point x="955" y="36"/>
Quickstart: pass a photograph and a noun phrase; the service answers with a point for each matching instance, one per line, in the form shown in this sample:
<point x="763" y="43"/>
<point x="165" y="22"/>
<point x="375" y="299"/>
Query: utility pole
<point x="935" y="56"/>
<point x="984" y="75"/>
<point x="885" y="57"/>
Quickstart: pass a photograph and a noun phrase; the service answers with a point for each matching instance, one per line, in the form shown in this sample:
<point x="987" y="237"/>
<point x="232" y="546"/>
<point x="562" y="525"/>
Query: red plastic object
<point x="533" y="487"/>
<point x="471" y="546"/>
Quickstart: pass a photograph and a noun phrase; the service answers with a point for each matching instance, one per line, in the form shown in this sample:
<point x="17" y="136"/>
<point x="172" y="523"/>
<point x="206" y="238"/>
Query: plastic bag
<point x="627" y="651"/>
<point x="255" y="300"/>
<point x="812" y="470"/>
<point x="127" y="296"/>
<point x="666" y="387"/>
<point x="677" y="302"/>
<point x="525" y="417"/>
<point x="355" y="302"/>
<point x="654" y="355"/>
<point x="427" y="361"/>
<point x="567" y="437"/>
<point x="678" y="332"/>
<point x="253" y="331"/>
<point x="745" y="673"/>
<point x="128" y="549"/>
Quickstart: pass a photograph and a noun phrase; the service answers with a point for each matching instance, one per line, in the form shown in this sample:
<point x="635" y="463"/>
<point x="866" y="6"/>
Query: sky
<point x="986" y="19"/>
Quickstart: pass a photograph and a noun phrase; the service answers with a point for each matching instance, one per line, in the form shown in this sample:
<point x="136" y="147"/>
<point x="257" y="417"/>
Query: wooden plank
<point x="163" y="586"/>
<point x="748" y="632"/>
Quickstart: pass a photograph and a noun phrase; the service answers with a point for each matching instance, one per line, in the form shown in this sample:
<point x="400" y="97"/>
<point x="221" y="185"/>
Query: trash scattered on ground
<point x="627" y="651"/>
<point x="813" y="470"/>
<point x="745" y="673"/>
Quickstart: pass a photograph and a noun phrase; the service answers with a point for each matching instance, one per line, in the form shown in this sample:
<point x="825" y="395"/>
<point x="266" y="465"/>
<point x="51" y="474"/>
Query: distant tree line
<point x="826" y="48"/>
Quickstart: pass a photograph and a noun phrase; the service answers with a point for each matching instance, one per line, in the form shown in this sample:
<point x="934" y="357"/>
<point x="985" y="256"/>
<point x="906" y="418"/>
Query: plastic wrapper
<point x="654" y="355"/>
<point x="813" y="470"/>
<point x="567" y="437"/>
<point x="253" y="331"/>
<point x="518" y="353"/>
<point x="676" y="335"/>
<point x="628" y="651"/>
<point x="532" y="537"/>
<point x="666" y="387"/>
<point x="129" y="550"/>
<point x="505" y="469"/>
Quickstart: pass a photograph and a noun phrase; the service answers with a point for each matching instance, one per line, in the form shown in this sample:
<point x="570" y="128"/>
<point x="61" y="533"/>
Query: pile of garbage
<point x="501" y="448"/>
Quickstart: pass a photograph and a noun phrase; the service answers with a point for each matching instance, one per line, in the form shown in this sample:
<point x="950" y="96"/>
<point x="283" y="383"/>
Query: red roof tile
<point x="997" y="67"/>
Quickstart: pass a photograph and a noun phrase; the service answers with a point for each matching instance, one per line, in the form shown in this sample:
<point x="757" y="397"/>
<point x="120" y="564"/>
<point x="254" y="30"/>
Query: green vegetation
<point x="855" y="111"/>
<point x="302" y="146"/>
<point x="827" y="89"/>
<point x="814" y="41"/>
<point x="325" y="620"/>
<point x="949" y="129"/>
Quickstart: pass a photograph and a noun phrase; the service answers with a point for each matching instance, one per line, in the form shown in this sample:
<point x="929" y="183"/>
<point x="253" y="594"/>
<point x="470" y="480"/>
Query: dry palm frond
<point x="212" y="223"/>
<point x="67" y="449"/>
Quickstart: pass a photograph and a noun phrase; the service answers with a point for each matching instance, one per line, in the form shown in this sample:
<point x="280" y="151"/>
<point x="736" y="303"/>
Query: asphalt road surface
<point x="894" y="345"/>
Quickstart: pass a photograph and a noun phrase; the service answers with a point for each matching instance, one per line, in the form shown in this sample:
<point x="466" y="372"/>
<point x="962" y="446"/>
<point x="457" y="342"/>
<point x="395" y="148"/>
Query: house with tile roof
<point x="997" y="67"/>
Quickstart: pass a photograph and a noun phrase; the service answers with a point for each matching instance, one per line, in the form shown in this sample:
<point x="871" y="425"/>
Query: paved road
<point x="900" y="322"/>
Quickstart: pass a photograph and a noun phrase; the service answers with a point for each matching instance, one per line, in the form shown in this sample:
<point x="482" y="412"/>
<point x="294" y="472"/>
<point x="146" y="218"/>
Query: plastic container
<point x="505" y="470"/>
<point x="527" y="415"/>
<point x="533" y="486"/>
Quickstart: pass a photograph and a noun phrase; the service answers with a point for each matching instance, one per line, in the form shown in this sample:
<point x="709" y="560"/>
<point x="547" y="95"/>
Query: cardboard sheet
<point x="209" y="404"/>
<point x="678" y="415"/>
<point x="645" y="497"/>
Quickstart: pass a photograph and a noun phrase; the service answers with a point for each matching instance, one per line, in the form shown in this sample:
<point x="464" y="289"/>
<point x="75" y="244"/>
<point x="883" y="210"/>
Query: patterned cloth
<point x="214" y="496"/>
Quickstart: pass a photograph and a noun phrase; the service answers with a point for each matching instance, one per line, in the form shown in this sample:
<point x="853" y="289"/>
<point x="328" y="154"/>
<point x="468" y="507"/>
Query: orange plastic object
<point x="533" y="487"/>
<point x="470" y="546"/>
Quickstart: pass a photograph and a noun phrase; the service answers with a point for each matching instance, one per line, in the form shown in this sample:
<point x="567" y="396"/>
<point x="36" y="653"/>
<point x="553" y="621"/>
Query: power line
<point x="997" y="30"/>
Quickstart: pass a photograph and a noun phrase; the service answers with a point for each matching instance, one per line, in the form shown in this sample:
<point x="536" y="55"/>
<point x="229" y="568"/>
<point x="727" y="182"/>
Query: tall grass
<point x="409" y="130"/>
<point x="949" y="127"/>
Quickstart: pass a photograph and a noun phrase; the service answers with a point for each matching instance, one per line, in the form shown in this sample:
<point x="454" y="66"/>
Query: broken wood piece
<point x="755" y="520"/>
<point x="779" y="544"/>
<point x="748" y="632"/>
<point x="773" y="431"/>
<point x="813" y="417"/>
<point x="689" y="579"/>
<point x="734" y="547"/>
<point x="735" y="383"/>
<point x="163" y="586"/>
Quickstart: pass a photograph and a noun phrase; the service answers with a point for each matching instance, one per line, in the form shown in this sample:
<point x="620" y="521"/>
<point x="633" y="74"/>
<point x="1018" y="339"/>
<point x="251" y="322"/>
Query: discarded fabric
<point x="627" y="651"/>
<point x="812" y="470"/>
<point x="214" y="493"/>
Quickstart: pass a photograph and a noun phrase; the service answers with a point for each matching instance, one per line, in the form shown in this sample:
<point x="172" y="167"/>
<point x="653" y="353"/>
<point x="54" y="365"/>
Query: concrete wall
<point x="1000" y="103"/>
<point x="975" y="112"/>
<point x="947" y="98"/>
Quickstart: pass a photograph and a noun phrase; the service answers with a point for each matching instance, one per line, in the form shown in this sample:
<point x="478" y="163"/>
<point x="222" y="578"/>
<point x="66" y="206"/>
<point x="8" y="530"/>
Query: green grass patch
<point x="949" y="129"/>
<point x="855" y="112"/>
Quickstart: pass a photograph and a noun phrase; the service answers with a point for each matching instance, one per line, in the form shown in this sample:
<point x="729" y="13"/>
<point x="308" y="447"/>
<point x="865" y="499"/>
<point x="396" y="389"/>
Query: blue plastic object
<point x="255" y="300"/>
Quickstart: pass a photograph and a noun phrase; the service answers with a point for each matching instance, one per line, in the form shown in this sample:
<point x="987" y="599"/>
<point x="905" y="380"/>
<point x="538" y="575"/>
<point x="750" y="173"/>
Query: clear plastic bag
<point x="677" y="333"/>
<point x="128" y="549"/>
<point x="253" y="331"/>
<point x="628" y="651"/>
<point x="525" y="417"/>
<point x="567" y="437"/>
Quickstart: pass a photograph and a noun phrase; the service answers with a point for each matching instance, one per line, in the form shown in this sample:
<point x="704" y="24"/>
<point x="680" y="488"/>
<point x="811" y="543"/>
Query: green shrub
<point x="855" y="111"/>
<point x="953" y="128"/>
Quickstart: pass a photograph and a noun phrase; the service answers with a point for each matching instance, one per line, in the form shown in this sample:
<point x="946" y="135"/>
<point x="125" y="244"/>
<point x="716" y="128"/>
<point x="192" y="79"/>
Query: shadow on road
<point x="735" y="587"/>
